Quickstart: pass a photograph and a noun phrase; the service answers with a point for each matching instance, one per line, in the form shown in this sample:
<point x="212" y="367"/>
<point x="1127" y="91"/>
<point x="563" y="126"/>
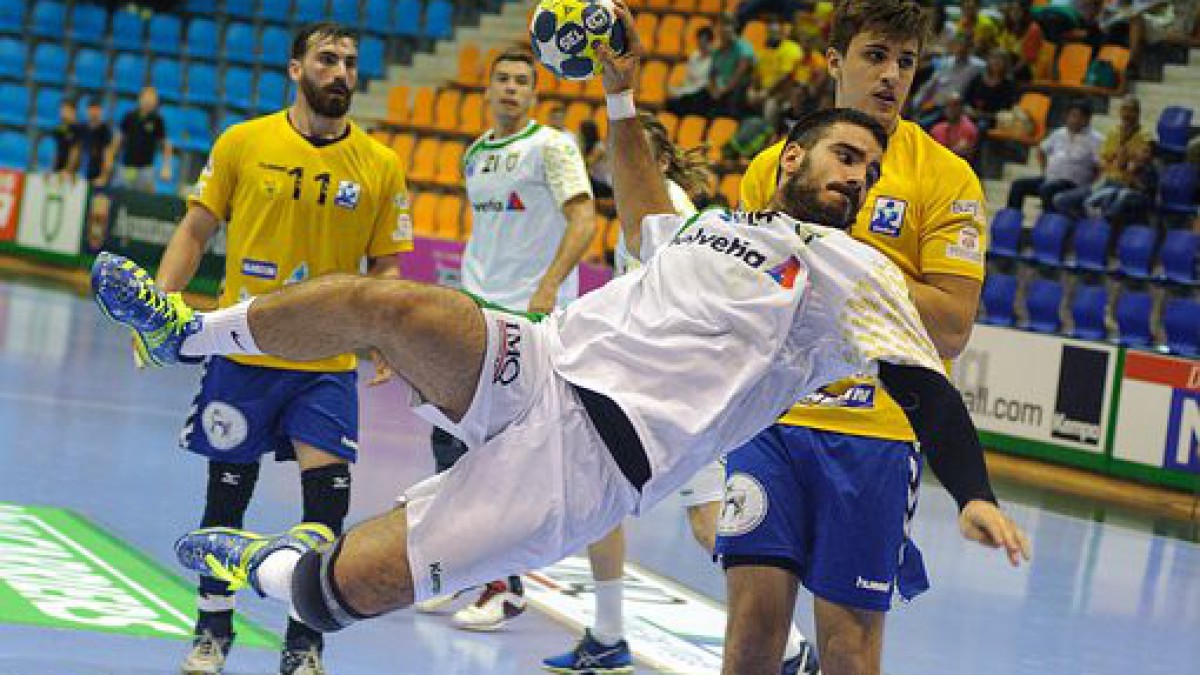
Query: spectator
<point x="691" y="97"/>
<point x="773" y="73"/>
<point x="732" y="65"/>
<point x="983" y="28"/>
<point x="142" y="132"/>
<point x="748" y="9"/>
<point x="95" y="139"/>
<point x="957" y="132"/>
<point x="1069" y="157"/>
<point x="68" y="137"/>
<point x="595" y="156"/>
<point x="951" y="75"/>
<point x="941" y="30"/>
<point x="1022" y="38"/>
<point x="1128" y="174"/>
<point x="991" y="91"/>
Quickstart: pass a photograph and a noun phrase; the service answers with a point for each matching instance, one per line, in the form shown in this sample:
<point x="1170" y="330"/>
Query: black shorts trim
<point x="735" y="560"/>
<point x="618" y="435"/>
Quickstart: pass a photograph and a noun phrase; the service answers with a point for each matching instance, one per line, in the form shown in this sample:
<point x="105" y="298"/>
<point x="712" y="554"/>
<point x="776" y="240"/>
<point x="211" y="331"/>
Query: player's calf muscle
<point x="373" y="570"/>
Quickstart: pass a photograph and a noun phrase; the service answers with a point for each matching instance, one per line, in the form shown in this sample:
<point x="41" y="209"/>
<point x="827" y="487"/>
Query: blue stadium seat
<point x="198" y="6"/>
<point x="1132" y="313"/>
<point x="197" y="130"/>
<point x="308" y="11"/>
<point x="372" y="63"/>
<point x="49" y="63"/>
<point x="45" y="107"/>
<point x="1173" y="124"/>
<point x="278" y="11"/>
<point x="48" y="19"/>
<point x="12" y="17"/>
<point x="15" y="110"/>
<point x="202" y="84"/>
<point x="228" y="119"/>
<point x="272" y="92"/>
<point x="12" y="59"/>
<point x="166" y="34"/>
<point x="1005" y="235"/>
<point x="1179" y="256"/>
<point x="1087" y="311"/>
<point x="14" y="149"/>
<point x="1043" y="298"/>
<point x="406" y="18"/>
<point x="167" y="77"/>
<point x="239" y="87"/>
<point x="1135" y="251"/>
<point x="439" y="20"/>
<point x="1090" y="244"/>
<point x="241" y="9"/>
<point x="999" y="295"/>
<point x="1049" y="237"/>
<point x="163" y="186"/>
<point x="276" y="46"/>
<point x="173" y="121"/>
<point x="376" y="16"/>
<point x="88" y="23"/>
<point x="202" y="41"/>
<point x="240" y="43"/>
<point x="129" y="73"/>
<point x="90" y="70"/>
<point x="44" y="154"/>
<point x="1181" y="321"/>
<point x="345" y="12"/>
<point x="1177" y="189"/>
<point x="129" y="31"/>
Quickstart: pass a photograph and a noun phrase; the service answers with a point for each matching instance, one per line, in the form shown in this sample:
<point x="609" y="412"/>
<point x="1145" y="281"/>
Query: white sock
<point x="609" y="626"/>
<point x="275" y="574"/>
<point x="225" y="331"/>
<point x="795" y="642"/>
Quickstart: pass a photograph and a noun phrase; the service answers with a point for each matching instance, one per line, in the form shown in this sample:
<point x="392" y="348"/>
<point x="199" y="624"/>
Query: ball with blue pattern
<point x="564" y="35"/>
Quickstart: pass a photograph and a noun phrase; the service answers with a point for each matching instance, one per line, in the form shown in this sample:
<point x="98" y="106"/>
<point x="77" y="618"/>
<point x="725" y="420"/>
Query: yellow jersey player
<point x="926" y="214"/>
<point x="303" y="193"/>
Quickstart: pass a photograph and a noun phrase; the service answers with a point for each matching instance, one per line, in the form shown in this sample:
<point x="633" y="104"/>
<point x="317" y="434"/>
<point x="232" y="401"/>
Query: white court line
<point x="92" y="405"/>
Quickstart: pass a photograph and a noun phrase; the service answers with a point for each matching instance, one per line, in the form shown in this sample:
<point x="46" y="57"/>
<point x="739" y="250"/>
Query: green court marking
<point x="60" y="570"/>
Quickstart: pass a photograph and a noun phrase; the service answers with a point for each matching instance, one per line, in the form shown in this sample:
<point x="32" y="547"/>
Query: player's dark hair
<point x="811" y="128"/>
<point x="896" y="19"/>
<point x="1083" y="105"/>
<point x="320" y="29"/>
<point x="705" y="33"/>
<point x="688" y="167"/>
<point x="516" y="54"/>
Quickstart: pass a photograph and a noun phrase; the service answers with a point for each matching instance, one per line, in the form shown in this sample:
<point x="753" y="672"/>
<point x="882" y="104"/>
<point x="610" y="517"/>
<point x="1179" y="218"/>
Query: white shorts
<point x="707" y="486"/>
<point x="537" y="484"/>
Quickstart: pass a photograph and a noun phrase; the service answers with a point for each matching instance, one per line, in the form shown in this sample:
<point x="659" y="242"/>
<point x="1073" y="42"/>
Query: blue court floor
<point x="81" y="429"/>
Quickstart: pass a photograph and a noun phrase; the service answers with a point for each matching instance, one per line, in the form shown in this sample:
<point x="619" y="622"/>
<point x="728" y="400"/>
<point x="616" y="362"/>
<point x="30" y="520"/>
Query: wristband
<point x="620" y="105"/>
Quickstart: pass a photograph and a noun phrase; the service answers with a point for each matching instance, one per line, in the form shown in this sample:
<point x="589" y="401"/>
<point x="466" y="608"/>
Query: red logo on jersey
<point x="514" y="202"/>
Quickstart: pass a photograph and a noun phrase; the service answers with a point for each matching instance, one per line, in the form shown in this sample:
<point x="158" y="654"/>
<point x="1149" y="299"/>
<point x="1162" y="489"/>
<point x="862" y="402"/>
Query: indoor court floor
<point x="82" y="431"/>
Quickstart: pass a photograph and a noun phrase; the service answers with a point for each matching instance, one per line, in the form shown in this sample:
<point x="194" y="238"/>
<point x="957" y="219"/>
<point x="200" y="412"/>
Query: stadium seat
<point x="755" y="33"/>
<point x="691" y="131"/>
<point x="449" y="164"/>
<point x="397" y="104"/>
<point x="165" y="186"/>
<point x="241" y="9"/>
<point x="1049" y="236"/>
<point x="424" y="162"/>
<point x="402" y="145"/>
<point x="88" y="22"/>
<point x="1037" y="107"/>
<point x="376" y="16"/>
<point x="719" y="132"/>
<point x="1179" y="255"/>
<point x="445" y="110"/>
<point x="276" y="45"/>
<point x="652" y="88"/>
<point x="1119" y="57"/>
<point x="228" y="119"/>
<point x="202" y="84"/>
<point x="12" y="17"/>
<point x="470" y="68"/>
<point x="272" y="92"/>
<point x="1177" y="190"/>
<point x="439" y="20"/>
<point x="45" y="107"/>
<point x="1135" y="251"/>
<point x="345" y="13"/>
<point x="1173" y="125"/>
<point x="1043" y="298"/>
<point x="372" y="57"/>
<point x="730" y="188"/>
<point x="1181" y="322"/>
<point x="239" y="87"/>
<point x="12" y="59"/>
<point x="472" y="118"/>
<point x="165" y="34"/>
<point x="1073" y="61"/>
<point x="1088" y="312"/>
<point x="1089" y="242"/>
<point x="43" y="155"/>
<point x="15" y="111"/>
<point x="48" y="19"/>
<point x="998" y="297"/>
<point x="424" y="214"/>
<point x="129" y="30"/>
<point x="646" y="24"/>
<point x="1132" y="313"/>
<point x="197" y="130"/>
<point x="307" y="11"/>
<point x="196" y="6"/>
<point x="670" y="39"/>
<point x="167" y="77"/>
<point x="422" y="108"/>
<point x="277" y="11"/>
<point x="240" y="44"/>
<point x="90" y="70"/>
<point x="202" y="41"/>
<point x="49" y="63"/>
<point x="406" y="19"/>
<point x="1005" y="239"/>
<point x="448" y="216"/>
<point x="14" y="149"/>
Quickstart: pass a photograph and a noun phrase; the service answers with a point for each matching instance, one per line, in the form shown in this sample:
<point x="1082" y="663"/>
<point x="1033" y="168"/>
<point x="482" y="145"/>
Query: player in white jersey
<point x="602" y="409"/>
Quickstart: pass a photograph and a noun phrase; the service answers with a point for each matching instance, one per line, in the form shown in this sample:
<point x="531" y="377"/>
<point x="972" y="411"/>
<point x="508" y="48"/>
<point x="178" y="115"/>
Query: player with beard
<point x="303" y="192"/>
<point x="599" y="410"/>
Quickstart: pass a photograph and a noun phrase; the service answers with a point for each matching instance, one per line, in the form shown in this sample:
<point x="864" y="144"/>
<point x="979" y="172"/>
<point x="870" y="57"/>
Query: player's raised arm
<point x="639" y="188"/>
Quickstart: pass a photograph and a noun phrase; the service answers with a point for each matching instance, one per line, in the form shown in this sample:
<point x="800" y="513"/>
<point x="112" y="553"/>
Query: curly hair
<point x="688" y="167"/>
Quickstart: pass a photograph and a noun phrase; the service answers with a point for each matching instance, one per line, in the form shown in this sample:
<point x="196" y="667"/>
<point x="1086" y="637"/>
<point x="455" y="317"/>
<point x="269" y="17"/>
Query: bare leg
<point x="433" y="337"/>
<point x="373" y="571"/>
<point x="607" y="556"/>
<point x="703" y="519"/>
<point x="761" y="600"/>
<point x="849" y="640"/>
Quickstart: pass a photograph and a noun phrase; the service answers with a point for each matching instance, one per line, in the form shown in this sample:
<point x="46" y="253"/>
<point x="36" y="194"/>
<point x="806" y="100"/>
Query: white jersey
<point x="732" y="318"/>
<point x="516" y="187"/>
<point x="623" y="261"/>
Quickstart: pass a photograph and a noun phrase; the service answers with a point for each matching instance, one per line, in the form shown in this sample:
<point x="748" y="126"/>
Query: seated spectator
<point x="1151" y="22"/>
<point x="595" y="156"/>
<point x="68" y="139"/>
<point x="749" y="9"/>
<point x="691" y="97"/>
<point x="957" y="132"/>
<point x="732" y="66"/>
<point x="983" y="28"/>
<point x="1069" y="157"/>
<point x="773" y="80"/>
<point x="1127" y="172"/>
<point x="952" y="74"/>
<point x="1022" y="38"/>
<point x="991" y="91"/>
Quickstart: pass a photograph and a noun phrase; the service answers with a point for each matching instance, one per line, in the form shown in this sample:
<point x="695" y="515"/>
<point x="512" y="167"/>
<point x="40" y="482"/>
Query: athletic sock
<point x="225" y="331"/>
<point x="220" y="623"/>
<point x="609" y="628"/>
<point x="274" y="574"/>
<point x="795" y="642"/>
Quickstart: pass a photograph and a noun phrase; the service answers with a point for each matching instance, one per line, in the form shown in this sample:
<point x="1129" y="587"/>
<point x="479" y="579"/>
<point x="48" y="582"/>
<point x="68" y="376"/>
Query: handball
<point x="564" y="35"/>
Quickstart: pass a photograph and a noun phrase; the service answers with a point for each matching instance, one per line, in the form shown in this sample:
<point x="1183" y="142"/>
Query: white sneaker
<point x="438" y="603"/>
<point x="495" y="606"/>
<point x="207" y="656"/>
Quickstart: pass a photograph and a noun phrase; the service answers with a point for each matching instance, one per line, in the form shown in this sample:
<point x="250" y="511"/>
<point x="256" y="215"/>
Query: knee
<point x="704" y="525"/>
<point x="843" y="656"/>
<point x="331" y="592"/>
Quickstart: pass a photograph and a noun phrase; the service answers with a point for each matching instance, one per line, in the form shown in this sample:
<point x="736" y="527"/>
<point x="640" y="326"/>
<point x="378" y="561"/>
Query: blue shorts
<point x="833" y="508"/>
<point x="245" y="412"/>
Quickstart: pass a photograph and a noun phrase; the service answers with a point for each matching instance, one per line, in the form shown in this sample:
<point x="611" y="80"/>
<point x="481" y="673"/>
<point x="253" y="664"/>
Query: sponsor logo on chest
<point x="727" y="243"/>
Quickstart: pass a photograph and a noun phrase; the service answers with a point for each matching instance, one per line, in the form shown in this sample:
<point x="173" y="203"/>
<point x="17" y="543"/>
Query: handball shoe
<point x="160" y="321"/>
<point x="233" y="556"/>
<point x="804" y="663"/>
<point x="207" y="656"/>
<point x="591" y="656"/>
<point x="495" y="606"/>
<point x="301" y="661"/>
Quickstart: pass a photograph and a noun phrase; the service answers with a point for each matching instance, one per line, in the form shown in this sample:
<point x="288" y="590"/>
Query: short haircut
<point x="705" y="33"/>
<point x="92" y="102"/>
<point x="320" y="29"/>
<point x="518" y="55"/>
<point x="67" y="102"/>
<point x="1082" y="105"/>
<point x="810" y="129"/>
<point x="896" y="19"/>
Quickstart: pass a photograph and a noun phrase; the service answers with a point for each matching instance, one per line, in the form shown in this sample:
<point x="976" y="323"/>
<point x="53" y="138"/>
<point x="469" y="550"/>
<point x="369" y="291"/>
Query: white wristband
<point x="620" y="105"/>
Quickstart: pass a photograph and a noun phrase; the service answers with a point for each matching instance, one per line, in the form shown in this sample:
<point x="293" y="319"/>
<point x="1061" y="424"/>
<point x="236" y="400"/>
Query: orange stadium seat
<point x="470" y="71"/>
<point x="691" y="131"/>
<point x="610" y="234"/>
<point x="1073" y="62"/>
<point x="473" y="114"/>
<point x="664" y="5"/>
<point x="689" y="32"/>
<point x="449" y="163"/>
<point x="547" y="83"/>
<point x="541" y="112"/>
<point x="424" y="213"/>
<point x="1118" y="56"/>
<point x="670" y="122"/>
<point x="445" y="110"/>
<point x="652" y="88"/>
<point x="670" y="35"/>
<point x="1043" y="69"/>
<point x="600" y="117"/>
<point x="402" y="144"/>
<point x="731" y="187"/>
<point x="397" y="104"/>
<point x="756" y="34"/>
<point x="719" y="132"/>
<point x="485" y="63"/>
<point x="576" y="113"/>
<point x="382" y="135"/>
<point x="1037" y="107"/>
<point x="711" y="6"/>
<point x="593" y="89"/>
<point x="449" y="216"/>
<point x="684" y="6"/>
<point x="424" y="161"/>
<point x="647" y="26"/>
<point x="422" y="108"/>
<point x="678" y="75"/>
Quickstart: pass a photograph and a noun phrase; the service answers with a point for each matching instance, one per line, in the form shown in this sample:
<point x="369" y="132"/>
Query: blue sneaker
<point x="592" y="658"/>
<point x="233" y="556"/>
<point x="804" y="663"/>
<point x="160" y="321"/>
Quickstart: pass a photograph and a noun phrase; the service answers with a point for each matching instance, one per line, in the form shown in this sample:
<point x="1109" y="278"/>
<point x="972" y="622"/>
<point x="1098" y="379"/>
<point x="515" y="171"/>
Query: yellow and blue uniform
<point x="294" y="209"/>
<point x="926" y="214"/>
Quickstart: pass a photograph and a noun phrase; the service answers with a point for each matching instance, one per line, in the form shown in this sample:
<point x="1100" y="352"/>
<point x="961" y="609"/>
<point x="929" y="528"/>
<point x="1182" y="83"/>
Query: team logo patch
<point x="262" y="269"/>
<point x="968" y="246"/>
<point x="347" y="194"/>
<point x="888" y="216"/>
<point x="965" y="207"/>
<point x="401" y="201"/>
<point x="404" y="228"/>
<point x="299" y="274"/>
<point x="514" y="203"/>
<point x="785" y="273"/>
<point x="744" y="506"/>
<point x="224" y="425"/>
<point x="508" y="358"/>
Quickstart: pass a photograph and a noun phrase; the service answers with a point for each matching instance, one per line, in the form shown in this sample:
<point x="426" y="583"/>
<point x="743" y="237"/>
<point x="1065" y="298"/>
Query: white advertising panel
<point x="52" y="210"/>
